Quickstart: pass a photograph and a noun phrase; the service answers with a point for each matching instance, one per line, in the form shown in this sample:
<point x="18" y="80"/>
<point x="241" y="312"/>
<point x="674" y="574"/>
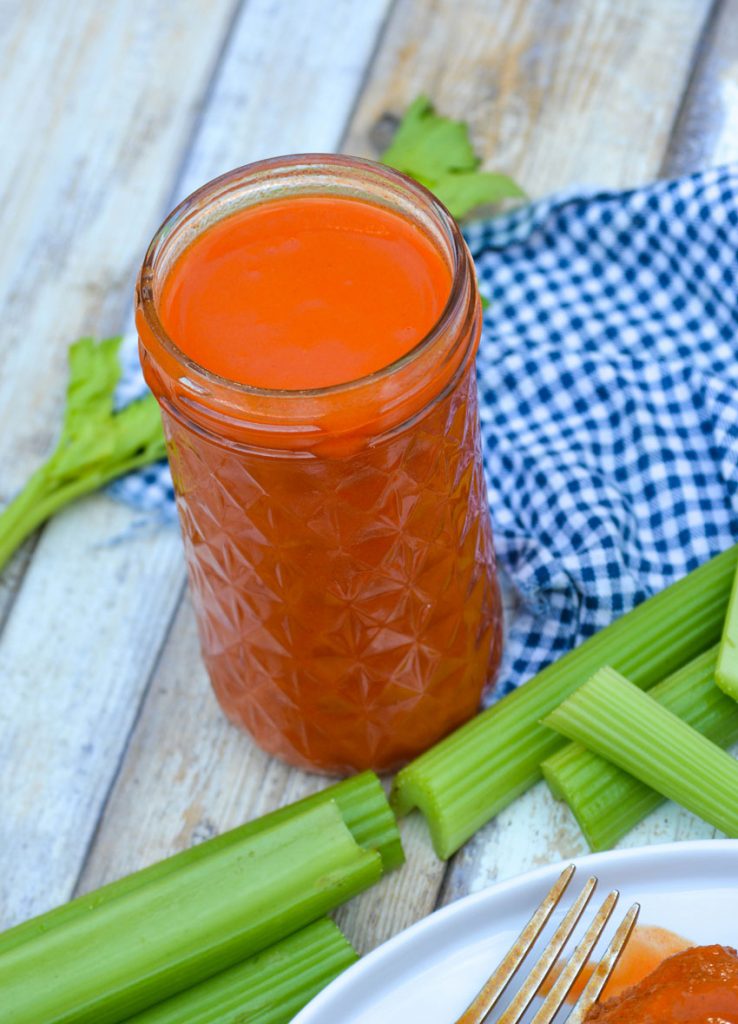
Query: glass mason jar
<point x="337" y="539"/>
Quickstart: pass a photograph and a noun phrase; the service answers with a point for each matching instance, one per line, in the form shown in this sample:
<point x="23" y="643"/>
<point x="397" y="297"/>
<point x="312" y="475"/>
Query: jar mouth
<point x="309" y="174"/>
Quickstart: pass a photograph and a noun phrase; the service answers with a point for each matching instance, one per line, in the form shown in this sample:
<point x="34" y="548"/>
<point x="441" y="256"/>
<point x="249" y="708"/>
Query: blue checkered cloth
<point x="608" y="377"/>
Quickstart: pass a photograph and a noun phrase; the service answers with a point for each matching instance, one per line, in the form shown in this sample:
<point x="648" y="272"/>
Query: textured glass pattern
<point x="348" y="607"/>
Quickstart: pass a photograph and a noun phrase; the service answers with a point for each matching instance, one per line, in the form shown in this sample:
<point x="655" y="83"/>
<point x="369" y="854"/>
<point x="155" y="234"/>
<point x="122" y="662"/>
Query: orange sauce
<point x="647" y="947"/>
<point x="348" y="609"/>
<point x="697" y="986"/>
<point x="304" y="293"/>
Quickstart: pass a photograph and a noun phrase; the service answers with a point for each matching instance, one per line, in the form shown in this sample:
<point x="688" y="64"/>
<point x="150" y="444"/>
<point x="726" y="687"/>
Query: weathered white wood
<point x="10" y="578"/>
<point x="557" y="94"/>
<point x="706" y="132"/>
<point x="274" y="66"/>
<point x="71" y="662"/>
<point x="287" y="84"/>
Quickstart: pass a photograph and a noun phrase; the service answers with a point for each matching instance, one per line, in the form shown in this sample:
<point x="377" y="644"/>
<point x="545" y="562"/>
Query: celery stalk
<point x="174" y="932"/>
<point x="726" y="673"/>
<point x="468" y="777"/>
<point x="96" y="445"/>
<point x="606" y="801"/>
<point x="362" y="804"/>
<point x="616" y="720"/>
<point x="269" y="988"/>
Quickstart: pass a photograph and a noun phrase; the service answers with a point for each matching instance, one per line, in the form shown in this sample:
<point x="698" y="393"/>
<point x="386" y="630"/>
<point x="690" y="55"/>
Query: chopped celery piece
<point x="269" y="988"/>
<point x="616" y="720"/>
<point x="362" y="804"/>
<point x="726" y="673"/>
<point x="606" y="801"/>
<point x="468" y="777"/>
<point x="178" y="930"/>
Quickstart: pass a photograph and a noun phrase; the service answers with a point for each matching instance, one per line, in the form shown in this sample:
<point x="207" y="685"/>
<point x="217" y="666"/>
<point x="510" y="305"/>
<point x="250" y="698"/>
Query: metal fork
<point x="490" y="994"/>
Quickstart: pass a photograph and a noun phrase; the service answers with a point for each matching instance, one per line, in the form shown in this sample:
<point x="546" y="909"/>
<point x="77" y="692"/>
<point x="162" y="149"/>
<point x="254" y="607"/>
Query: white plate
<point x="431" y="972"/>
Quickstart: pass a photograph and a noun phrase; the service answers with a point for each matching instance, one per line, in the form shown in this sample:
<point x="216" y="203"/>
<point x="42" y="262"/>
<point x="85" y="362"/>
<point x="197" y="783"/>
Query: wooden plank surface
<point x="558" y="94"/>
<point x="97" y="111"/>
<point x="95" y="595"/>
<point x="188" y="773"/>
<point x="706" y="132"/>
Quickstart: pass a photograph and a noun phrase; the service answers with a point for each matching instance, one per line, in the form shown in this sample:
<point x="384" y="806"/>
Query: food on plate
<point x="697" y="986"/>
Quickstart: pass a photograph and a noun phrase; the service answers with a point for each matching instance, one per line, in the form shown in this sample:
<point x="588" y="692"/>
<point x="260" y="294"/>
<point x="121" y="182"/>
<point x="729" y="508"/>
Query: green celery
<point x="616" y="720"/>
<point x="726" y="673"/>
<point x="362" y="804"/>
<point x="96" y="444"/>
<point x="606" y="801"/>
<point x="269" y="988"/>
<point x="438" y="153"/>
<point x="468" y="777"/>
<point x="174" y="932"/>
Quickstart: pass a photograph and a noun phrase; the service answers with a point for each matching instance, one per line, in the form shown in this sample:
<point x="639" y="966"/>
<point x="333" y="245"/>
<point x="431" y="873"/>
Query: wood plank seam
<point x="699" y="54"/>
<point x="204" y="106"/>
<point x="700" y="97"/>
<point x="362" y="84"/>
<point x="129" y="736"/>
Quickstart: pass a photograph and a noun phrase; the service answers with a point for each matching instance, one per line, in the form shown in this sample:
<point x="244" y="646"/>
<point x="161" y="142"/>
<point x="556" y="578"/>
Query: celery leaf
<point x="96" y="443"/>
<point x="438" y="153"/>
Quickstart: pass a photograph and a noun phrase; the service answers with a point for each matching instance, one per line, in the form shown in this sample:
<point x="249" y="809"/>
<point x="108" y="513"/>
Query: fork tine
<point x="498" y="982"/>
<point x="573" y="968"/>
<point x="604" y="968"/>
<point x="532" y="983"/>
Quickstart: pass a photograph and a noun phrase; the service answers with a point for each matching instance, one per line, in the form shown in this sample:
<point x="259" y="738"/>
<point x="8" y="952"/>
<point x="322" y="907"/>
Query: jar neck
<point x="332" y="418"/>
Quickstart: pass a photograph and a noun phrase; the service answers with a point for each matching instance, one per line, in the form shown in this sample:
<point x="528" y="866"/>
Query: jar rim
<point x="264" y="170"/>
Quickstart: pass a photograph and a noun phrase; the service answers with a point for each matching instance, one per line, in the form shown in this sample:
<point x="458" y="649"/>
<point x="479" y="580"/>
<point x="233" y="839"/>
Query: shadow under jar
<point x="337" y="538"/>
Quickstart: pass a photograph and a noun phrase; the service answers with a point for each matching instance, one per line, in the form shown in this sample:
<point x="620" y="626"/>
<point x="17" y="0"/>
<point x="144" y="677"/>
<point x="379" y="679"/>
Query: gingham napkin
<point x="608" y="376"/>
